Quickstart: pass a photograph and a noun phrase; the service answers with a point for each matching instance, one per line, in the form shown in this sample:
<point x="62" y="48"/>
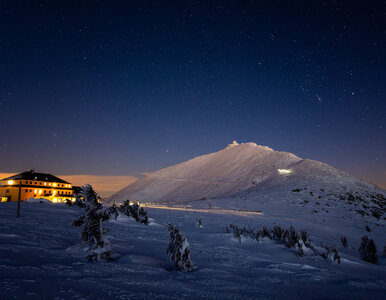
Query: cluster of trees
<point x="95" y="235"/>
<point x="93" y="232"/>
<point x="289" y="237"/>
<point x="131" y="209"/>
<point x="301" y="242"/>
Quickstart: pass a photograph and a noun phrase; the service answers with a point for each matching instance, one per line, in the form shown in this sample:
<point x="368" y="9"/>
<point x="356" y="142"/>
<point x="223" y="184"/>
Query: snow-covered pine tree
<point x="368" y="250"/>
<point x="125" y="208"/>
<point x="179" y="250"/>
<point x="132" y="209"/>
<point x="331" y="253"/>
<point x="277" y="232"/>
<point x="113" y="211"/>
<point x="139" y="214"/>
<point x="290" y="237"/>
<point x="343" y="240"/>
<point x="265" y="232"/>
<point x="93" y="232"/>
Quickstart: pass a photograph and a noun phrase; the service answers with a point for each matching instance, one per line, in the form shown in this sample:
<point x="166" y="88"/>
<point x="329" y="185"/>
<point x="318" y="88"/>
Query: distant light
<point x="10" y="182"/>
<point x="55" y="200"/>
<point x="284" y="171"/>
<point x="45" y="183"/>
<point x="35" y="191"/>
<point x="40" y="191"/>
<point x="54" y="184"/>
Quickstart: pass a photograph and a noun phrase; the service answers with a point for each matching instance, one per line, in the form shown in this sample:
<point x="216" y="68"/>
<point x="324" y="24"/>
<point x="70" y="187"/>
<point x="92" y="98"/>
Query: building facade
<point x="30" y="184"/>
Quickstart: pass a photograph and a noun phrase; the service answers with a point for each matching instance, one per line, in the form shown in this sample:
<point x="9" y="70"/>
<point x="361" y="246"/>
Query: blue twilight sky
<point x="122" y="87"/>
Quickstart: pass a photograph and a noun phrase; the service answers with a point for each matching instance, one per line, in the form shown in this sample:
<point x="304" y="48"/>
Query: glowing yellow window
<point x="10" y="182"/>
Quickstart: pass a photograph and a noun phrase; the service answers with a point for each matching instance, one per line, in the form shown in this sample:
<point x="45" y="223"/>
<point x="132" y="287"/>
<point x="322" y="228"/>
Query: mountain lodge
<point x="30" y="184"/>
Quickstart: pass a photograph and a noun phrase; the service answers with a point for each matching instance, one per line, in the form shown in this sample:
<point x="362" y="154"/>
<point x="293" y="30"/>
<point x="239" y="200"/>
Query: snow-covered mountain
<point x="255" y="169"/>
<point x="233" y="169"/>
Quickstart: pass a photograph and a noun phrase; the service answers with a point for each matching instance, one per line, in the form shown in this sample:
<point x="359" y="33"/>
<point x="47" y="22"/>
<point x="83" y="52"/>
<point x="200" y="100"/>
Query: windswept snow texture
<point x="236" y="168"/>
<point x="42" y="257"/>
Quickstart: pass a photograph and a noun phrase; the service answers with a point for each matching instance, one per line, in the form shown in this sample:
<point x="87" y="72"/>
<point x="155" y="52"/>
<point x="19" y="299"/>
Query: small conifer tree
<point x="113" y="211"/>
<point x="179" y="250"/>
<point x="277" y="232"/>
<point x="368" y="250"/>
<point x="93" y="232"/>
<point x="290" y="237"/>
<point x="343" y="239"/>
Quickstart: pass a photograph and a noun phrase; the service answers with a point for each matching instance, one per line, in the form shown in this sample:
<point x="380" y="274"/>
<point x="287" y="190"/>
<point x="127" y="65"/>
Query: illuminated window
<point x="54" y="184"/>
<point x="284" y="171"/>
<point x="55" y="200"/>
<point x="35" y="191"/>
<point x="45" y="183"/>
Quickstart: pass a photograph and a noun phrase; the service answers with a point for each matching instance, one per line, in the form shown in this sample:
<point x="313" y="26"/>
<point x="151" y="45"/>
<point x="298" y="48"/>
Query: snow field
<point x="41" y="257"/>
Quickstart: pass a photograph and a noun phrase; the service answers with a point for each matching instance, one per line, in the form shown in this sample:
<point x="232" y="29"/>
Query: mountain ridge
<point x="236" y="168"/>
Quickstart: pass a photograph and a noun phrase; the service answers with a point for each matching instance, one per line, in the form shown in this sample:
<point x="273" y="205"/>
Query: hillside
<point x="222" y="173"/>
<point x="246" y="167"/>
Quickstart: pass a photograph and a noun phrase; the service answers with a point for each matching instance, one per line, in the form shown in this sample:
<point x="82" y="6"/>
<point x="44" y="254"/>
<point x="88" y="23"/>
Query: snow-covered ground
<point x="41" y="256"/>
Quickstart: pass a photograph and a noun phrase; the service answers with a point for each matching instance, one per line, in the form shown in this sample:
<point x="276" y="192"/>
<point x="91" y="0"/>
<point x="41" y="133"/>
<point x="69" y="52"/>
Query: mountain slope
<point x="233" y="169"/>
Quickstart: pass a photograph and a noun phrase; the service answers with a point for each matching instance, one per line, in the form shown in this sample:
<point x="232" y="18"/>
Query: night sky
<point x="102" y="88"/>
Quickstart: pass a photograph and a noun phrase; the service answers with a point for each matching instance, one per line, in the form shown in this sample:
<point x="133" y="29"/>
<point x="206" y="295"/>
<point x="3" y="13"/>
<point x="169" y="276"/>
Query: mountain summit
<point x="237" y="168"/>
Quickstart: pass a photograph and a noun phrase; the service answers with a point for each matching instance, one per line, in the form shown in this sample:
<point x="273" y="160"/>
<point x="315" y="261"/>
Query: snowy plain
<point x="42" y="257"/>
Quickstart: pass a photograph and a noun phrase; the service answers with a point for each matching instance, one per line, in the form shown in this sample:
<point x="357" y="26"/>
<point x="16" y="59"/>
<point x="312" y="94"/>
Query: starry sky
<point x="125" y="87"/>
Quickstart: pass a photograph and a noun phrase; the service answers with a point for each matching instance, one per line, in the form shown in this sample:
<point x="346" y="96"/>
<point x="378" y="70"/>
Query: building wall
<point x="53" y="191"/>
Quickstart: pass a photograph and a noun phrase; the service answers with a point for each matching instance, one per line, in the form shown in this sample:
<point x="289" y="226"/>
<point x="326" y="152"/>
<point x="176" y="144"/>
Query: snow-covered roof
<point x="32" y="175"/>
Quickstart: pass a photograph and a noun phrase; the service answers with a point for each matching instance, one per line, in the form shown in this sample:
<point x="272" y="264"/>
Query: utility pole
<point x="18" y="201"/>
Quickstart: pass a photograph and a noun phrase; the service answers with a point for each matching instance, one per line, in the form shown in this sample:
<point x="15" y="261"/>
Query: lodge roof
<point x="32" y="175"/>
